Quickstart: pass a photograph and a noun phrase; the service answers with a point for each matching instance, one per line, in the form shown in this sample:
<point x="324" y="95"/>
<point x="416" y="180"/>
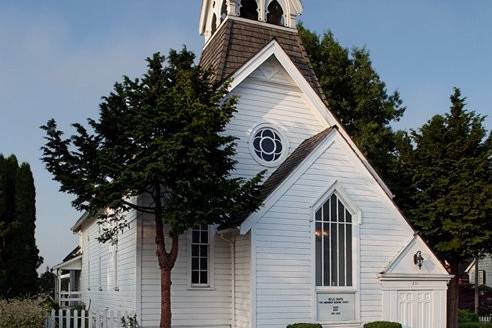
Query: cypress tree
<point x="24" y="243"/>
<point x="19" y="257"/>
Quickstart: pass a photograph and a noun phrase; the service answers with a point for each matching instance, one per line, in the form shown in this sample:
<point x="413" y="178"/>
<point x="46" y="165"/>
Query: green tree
<point x="19" y="256"/>
<point x="46" y="283"/>
<point x="450" y="200"/>
<point x="160" y="138"/>
<point x="359" y="99"/>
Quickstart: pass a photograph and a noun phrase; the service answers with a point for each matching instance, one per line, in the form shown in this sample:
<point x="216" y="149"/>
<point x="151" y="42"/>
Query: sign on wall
<point x="336" y="307"/>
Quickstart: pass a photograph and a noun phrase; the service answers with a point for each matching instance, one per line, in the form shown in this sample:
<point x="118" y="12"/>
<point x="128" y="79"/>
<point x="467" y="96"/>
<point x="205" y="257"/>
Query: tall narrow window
<point x="214" y="24"/>
<point x="275" y="14"/>
<point x="200" y="256"/>
<point x="99" y="269"/>
<point x="115" y="266"/>
<point x="249" y="9"/>
<point x="333" y="235"/>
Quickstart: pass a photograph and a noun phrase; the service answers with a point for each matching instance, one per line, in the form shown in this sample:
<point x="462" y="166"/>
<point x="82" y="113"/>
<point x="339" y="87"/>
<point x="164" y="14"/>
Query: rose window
<point x="267" y="145"/>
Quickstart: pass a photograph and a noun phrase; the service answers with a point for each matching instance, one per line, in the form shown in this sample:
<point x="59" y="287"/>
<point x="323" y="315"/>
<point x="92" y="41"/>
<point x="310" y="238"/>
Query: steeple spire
<point x="276" y="12"/>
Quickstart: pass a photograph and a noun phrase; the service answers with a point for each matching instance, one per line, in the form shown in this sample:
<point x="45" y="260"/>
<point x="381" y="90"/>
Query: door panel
<point x="415" y="309"/>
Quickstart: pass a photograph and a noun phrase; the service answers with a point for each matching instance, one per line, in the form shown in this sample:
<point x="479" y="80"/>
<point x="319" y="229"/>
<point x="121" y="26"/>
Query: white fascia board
<point x="68" y="264"/>
<point x="422" y="277"/>
<point x="287" y="183"/>
<point x="312" y="98"/>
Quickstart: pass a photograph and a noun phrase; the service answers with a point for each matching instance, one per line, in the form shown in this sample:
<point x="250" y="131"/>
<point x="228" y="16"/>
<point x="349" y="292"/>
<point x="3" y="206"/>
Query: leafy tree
<point x="161" y="139"/>
<point x="46" y="283"/>
<point x="360" y="100"/>
<point x="450" y="200"/>
<point x="19" y="256"/>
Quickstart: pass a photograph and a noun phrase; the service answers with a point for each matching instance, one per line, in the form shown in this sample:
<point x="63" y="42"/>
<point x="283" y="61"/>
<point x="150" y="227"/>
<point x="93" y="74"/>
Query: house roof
<point x="238" y="40"/>
<point x="73" y="254"/>
<point x="284" y="171"/>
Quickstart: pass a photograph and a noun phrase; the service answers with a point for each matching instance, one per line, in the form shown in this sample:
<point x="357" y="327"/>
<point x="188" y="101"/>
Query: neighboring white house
<point x="484" y="271"/>
<point x="328" y="245"/>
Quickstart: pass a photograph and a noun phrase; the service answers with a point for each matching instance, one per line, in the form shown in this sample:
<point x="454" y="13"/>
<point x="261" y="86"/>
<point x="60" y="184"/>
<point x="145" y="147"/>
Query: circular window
<point x="267" y="145"/>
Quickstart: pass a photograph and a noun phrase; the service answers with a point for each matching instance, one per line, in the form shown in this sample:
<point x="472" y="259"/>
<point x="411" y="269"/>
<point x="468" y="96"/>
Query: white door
<point x="415" y="308"/>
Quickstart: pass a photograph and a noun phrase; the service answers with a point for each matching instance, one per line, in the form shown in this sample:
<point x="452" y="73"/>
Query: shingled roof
<point x="285" y="170"/>
<point x="237" y="41"/>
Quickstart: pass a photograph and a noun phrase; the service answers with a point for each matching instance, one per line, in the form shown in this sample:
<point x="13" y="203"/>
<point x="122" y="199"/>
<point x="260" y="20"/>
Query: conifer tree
<point x="449" y="160"/>
<point x="359" y="99"/>
<point x="161" y="139"/>
<point x="19" y="256"/>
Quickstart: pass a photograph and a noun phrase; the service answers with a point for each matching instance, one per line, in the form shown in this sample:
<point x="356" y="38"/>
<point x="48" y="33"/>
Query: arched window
<point x="275" y="14"/>
<point x="223" y="11"/>
<point x="214" y="24"/>
<point x="249" y="9"/>
<point x="333" y="244"/>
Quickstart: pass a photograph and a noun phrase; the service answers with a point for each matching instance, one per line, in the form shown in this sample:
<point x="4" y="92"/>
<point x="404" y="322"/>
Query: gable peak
<point x="282" y="13"/>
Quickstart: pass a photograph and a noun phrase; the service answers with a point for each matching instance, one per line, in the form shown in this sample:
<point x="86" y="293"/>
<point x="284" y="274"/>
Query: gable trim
<point x="387" y="272"/>
<point x="312" y="98"/>
<point x="287" y="183"/>
<point x="309" y="95"/>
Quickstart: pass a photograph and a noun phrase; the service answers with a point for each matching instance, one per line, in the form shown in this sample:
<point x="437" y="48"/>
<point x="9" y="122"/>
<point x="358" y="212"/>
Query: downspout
<point x="232" y="242"/>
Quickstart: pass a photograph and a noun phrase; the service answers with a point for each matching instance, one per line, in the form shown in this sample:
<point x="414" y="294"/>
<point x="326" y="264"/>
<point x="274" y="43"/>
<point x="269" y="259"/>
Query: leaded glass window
<point x="333" y="234"/>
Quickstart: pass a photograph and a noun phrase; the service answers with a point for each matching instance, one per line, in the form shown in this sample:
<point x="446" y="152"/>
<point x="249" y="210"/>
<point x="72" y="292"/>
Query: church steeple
<point x="276" y="12"/>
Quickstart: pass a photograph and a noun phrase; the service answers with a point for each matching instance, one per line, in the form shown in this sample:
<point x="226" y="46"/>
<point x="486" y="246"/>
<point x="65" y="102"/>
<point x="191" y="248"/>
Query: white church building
<point x="328" y="245"/>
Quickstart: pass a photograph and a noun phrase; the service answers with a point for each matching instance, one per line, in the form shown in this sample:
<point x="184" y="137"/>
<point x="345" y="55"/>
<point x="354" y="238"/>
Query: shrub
<point x="474" y="325"/>
<point x="26" y="313"/>
<point x="382" y="324"/>
<point x="467" y="316"/>
<point x="305" y="325"/>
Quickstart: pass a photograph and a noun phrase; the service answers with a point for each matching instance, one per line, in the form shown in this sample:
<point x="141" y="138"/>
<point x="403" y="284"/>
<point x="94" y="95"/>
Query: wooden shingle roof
<point x="238" y="41"/>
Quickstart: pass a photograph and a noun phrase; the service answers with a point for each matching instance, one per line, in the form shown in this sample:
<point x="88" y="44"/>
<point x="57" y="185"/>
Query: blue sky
<point x="58" y="58"/>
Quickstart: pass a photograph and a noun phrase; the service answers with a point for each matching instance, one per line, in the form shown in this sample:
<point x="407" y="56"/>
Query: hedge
<point x="467" y="316"/>
<point x="305" y="325"/>
<point x="382" y="324"/>
<point x="474" y="325"/>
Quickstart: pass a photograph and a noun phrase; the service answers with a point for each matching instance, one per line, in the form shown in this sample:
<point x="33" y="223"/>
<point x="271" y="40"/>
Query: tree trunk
<point x="166" y="260"/>
<point x="165" y="298"/>
<point x="453" y="298"/>
<point x="477" y="295"/>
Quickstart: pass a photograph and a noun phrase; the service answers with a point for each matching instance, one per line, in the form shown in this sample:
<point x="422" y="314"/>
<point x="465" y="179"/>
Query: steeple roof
<point x="238" y="40"/>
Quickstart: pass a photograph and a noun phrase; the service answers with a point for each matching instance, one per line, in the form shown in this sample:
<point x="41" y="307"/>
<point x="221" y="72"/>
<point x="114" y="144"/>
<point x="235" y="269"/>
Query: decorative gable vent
<point x="276" y="12"/>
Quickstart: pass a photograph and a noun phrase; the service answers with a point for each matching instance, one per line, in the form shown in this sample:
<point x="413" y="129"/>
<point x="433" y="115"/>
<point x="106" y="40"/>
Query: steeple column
<point x="262" y="16"/>
<point x="232" y="7"/>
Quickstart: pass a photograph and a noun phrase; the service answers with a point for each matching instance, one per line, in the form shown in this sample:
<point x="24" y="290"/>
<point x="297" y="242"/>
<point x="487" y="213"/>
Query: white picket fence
<point x="485" y="318"/>
<point x="66" y="318"/>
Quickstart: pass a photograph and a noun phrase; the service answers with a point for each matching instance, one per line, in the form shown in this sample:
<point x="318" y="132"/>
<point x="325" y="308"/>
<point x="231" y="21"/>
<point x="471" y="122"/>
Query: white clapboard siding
<point x="242" y="281"/>
<point x="484" y="264"/>
<point x="270" y="98"/>
<point x="283" y="240"/>
<point x="190" y="306"/>
<point x="109" y="295"/>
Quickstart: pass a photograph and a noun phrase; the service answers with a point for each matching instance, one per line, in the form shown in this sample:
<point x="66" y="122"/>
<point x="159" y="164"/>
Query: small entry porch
<point x="67" y="283"/>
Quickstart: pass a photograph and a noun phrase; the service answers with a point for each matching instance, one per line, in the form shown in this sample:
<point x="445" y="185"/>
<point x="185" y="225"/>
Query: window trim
<point x="114" y="259"/>
<point x="211" y="260"/>
<point x="337" y="189"/>
<point x="88" y="257"/>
